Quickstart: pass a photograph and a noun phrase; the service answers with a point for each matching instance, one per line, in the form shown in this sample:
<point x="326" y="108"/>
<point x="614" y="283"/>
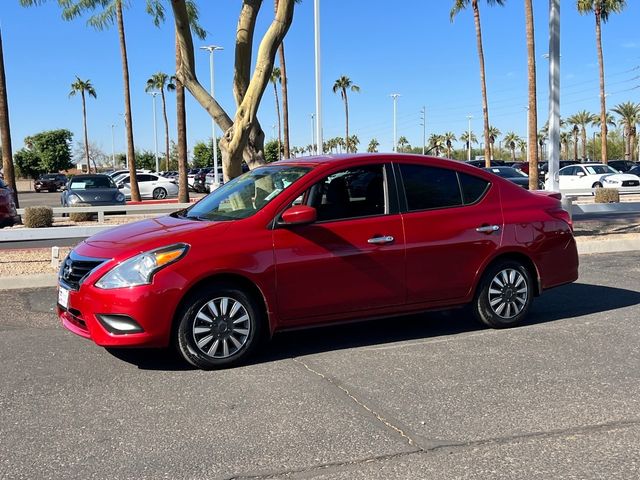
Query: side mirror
<point x="299" y="215"/>
<point x="581" y="174"/>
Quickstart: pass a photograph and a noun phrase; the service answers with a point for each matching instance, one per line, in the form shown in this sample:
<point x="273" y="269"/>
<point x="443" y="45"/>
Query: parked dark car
<point x="51" y="182"/>
<point x="8" y="214"/>
<point x="513" y="175"/>
<point x="622" y="165"/>
<point x="634" y="171"/>
<point x="98" y="190"/>
<point x="482" y="164"/>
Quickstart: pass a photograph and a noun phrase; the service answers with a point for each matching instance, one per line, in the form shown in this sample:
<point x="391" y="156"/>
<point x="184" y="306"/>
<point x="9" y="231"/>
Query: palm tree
<point x="110" y="11"/>
<point x="532" y="120"/>
<point x="352" y="143"/>
<point x="543" y="136"/>
<point x="464" y="137"/>
<point x="458" y="6"/>
<point x="494" y="133"/>
<point x="5" y="131"/>
<point x="276" y="77"/>
<point x="84" y="87"/>
<point x="582" y="119"/>
<point x="402" y="143"/>
<point x="157" y="83"/>
<point x="512" y="140"/>
<point x="448" y="138"/>
<point x="601" y="9"/>
<point x="629" y="114"/>
<point x="522" y="145"/>
<point x="435" y="143"/>
<point x="342" y="85"/>
<point x="373" y="146"/>
<point x="565" y="140"/>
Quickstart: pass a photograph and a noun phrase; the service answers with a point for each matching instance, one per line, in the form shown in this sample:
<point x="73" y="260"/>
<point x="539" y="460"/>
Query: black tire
<point x="507" y="305"/>
<point x="209" y="341"/>
<point x="597" y="185"/>
<point x="159" y="193"/>
<point x="52" y="190"/>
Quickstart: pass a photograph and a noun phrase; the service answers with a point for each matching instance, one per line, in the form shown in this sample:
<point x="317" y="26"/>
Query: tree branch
<point x="244" y="48"/>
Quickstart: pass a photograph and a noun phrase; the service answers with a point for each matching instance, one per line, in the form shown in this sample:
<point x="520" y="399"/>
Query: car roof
<point x="347" y="158"/>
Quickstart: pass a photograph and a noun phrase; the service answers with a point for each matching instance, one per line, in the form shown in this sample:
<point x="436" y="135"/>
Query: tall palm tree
<point x="373" y="146"/>
<point x="532" y="118"/>
<point x="511" y="140"/>
<point x="342" y="85"/>
<point x="458" y="6"/>
<point x="84" y="87"/>
<point x="629" y="114"/>
<point x="352" y="143"/>
<point x="158" y="82"/>
<point x="276" y="77"/>
<point x="601" y="9"/>
<point x="583" y="119"/>
<point x="494" y="133"/>
<point x="565" y="140"/>
<point x="109" y="12"/>
<point x="435" y="143"/>
<point x="5" y="131"/>
<point x="464" y="137"/>
<point x="522" y="145"/>
<point x="448" y="139"/>
<point x="402" y="143"/>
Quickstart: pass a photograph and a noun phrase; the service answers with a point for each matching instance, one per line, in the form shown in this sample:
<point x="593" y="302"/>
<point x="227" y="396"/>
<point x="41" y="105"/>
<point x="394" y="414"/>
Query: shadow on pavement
<point x="569" y="301"/>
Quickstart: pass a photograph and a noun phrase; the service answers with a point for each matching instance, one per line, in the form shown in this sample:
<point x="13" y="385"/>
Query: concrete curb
<point x="586" y="246"/>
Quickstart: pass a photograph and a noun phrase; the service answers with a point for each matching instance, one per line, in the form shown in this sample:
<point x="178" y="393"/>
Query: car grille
<point x="631" y="183"/>
<point x="76" y="268"/>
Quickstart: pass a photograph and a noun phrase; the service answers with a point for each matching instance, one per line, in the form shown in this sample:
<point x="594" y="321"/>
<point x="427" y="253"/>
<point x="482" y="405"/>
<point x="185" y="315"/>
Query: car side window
<point x="144" y="178"/>
<point x="430" y="187"/>
<point x="473" y="188"/>
<point x="352" y="193"/>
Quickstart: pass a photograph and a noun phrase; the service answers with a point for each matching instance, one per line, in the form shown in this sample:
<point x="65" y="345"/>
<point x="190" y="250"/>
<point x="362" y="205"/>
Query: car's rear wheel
<point x="504" y="295"/>
<point x="597" y="185"/>
<point x="221" y="328"/>
<point x="159" y="193"/>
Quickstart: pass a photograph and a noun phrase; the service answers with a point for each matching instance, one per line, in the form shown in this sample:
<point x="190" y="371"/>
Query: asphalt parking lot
<point x="423" y="396"/>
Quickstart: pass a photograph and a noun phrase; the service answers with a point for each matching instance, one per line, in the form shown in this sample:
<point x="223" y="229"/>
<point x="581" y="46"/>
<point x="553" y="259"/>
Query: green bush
<point x="38" y="217"/>
<point x="607" y="195"/>
<point x="81" y="216"/>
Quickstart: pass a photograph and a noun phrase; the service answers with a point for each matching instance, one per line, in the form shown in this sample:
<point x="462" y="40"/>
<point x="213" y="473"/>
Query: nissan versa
<point x="314" y="241"/>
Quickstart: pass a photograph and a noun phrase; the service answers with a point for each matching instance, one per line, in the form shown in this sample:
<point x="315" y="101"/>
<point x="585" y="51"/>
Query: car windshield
<point x="507" y="172"/>
<point x="599" y="169"/>
<point x="84" y="183"/>
<point x="246" y="194"/>
<point x="48" y="177"/>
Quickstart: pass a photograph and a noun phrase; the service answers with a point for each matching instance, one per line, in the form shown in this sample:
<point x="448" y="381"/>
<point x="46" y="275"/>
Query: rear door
<point x="453" y="222"/>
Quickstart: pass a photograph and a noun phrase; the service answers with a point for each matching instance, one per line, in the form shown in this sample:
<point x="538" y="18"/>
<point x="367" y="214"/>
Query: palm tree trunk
<point x="575" y="146"/>
<point x="275" y="92"/>
<point x="483" y="83"/>
<point x="285" y="101"/>
<point x="166" y="128"/>
<point x="181" y="127"/>
<point x="5" y="132"/>
<point x="603" y="105"/>
<point x="533" y="102"/>
<point x="513" y="153"/>
<point x="346" y="116"/>
<point x="86" y="134"/>
<point x="131" y="153"/>
<point x="583" y="131"/>
<point x="632" y="142"/>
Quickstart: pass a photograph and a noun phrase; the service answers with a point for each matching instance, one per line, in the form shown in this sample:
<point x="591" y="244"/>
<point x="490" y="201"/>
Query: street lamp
<point x="313" y="129"/>
<point x="469" y="117"/>
<point x="214" y="143"/>
<point x="316" y="29"/>
<point x="423" y="117"/>
<point x="155" y="129"/>
<point x="554" y="94"/>
<point x="395" y="126"/>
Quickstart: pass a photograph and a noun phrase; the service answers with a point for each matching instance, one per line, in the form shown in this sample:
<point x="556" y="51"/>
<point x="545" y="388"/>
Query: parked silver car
<point x="94" y="190"/>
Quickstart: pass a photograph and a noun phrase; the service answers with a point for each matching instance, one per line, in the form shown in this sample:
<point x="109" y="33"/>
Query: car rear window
<point x="430" y="187"/>
<point x="473" y="188"/>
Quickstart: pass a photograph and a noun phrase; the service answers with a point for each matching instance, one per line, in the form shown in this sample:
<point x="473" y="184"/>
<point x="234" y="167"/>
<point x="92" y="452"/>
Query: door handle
<point x="381" y="240"/>
<point x="488" y="228"/>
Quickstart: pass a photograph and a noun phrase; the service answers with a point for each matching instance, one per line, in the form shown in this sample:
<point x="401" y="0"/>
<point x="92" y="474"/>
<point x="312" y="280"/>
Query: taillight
<point x="561" y="214"/>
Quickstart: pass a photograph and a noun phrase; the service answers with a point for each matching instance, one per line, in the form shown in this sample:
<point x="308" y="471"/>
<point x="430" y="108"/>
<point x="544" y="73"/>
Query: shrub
<point x="81" y="216"/>
<point x="38" y="217"/>
<point x="607" y="195"/>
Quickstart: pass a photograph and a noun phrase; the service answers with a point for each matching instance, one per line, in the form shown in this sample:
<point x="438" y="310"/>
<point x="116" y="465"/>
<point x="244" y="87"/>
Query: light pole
<point x="469" y="117"/>
<point x="423" y="117"/>
<point x="313" y="129"/>
<point x="113" y="146"/>
<point x="316" y="28"/>
<point x="155" y="129"/>
<point x="554" y="94"/>
<point x="214" y="143"/>
<point x="395" y="126"/>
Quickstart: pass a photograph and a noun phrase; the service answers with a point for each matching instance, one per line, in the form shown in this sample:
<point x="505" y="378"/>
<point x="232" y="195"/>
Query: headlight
<point x="611" y="180"/>
<point x="73" y="198"/>
<point x="119" y="197"/>
<point x="140" y="269"/>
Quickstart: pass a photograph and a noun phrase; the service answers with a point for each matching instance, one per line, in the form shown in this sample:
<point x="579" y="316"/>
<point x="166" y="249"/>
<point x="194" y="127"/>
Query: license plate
<point x="63" y="297"/>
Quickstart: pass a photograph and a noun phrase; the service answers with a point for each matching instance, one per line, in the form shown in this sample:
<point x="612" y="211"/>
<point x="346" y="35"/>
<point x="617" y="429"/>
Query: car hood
<point x="152" y="233"/>
<point x="621" y="176"/>
<point x="96" y="194"/>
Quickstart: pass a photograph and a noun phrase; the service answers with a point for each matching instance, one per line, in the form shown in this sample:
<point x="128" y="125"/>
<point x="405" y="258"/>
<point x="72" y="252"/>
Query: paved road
<point x="426" y="396"/>
<point x="32" y="199"/>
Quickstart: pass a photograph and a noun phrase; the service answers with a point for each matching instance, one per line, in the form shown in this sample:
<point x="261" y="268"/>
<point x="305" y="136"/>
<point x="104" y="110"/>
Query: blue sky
<point x="411" y="48"/>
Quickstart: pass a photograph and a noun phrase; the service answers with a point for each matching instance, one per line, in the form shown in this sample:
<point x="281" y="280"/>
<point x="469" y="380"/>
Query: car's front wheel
<point x="504" y="295"/>
<point x="220" y="328"/>
<point x="597" y="185"/>
<point x="159" y="193"/>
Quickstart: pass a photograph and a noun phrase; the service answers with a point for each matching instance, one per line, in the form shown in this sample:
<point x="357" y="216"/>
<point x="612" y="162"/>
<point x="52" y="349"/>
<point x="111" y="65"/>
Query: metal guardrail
<point x="127" y="209"/>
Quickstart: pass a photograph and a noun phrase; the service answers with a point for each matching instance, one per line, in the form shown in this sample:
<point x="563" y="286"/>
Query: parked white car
<point x="151" y="186"/>
<point x="596" y="175"/>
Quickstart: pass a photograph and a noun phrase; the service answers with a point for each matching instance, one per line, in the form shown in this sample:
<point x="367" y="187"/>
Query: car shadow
<point x="562" y="303"/>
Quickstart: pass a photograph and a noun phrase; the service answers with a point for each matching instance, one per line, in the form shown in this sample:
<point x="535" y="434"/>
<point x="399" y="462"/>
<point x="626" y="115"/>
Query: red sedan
<point x="315" y="241"/>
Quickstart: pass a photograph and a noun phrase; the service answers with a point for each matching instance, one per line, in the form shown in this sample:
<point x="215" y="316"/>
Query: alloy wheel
<point x="221" y="327"/>
<point x="508" y="293"/>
